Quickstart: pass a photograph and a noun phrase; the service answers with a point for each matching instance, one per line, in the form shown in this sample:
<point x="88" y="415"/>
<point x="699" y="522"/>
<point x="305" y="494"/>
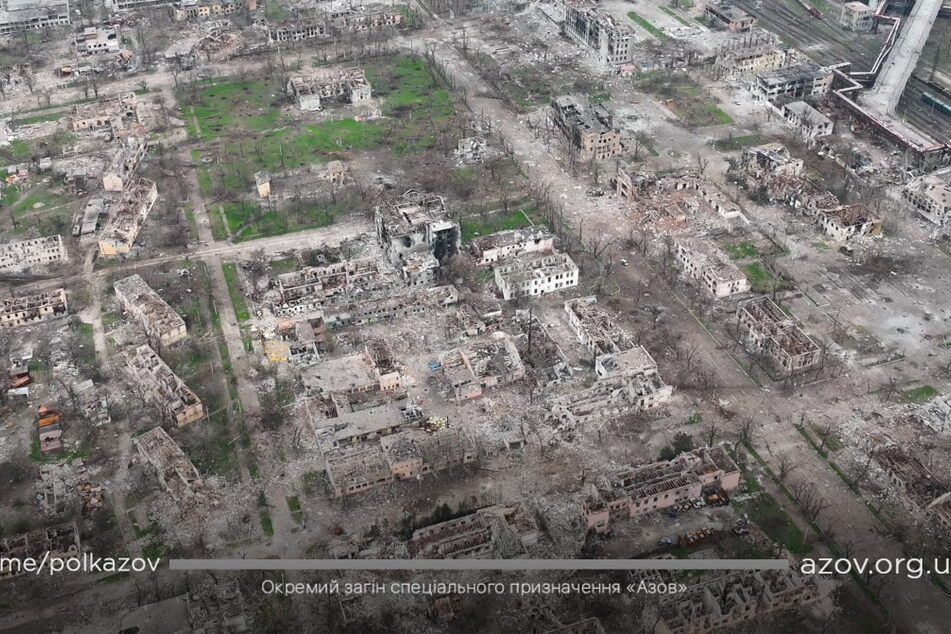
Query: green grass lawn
<point x="475" y="226"/>
<point x="38" y="118"/>
<point x="737" y="142"/>
<point x="283" y="265"/>
<point x="760" y="279"/>
<point x="767" y="514"/>
<point x="39" y="196"/>
<point x="742" y="250"/>
<point x="647" y="26"/>
<point x="685" y="97"/>
<point x="920" y="395"/>
<point x="88" y="355"/>
<point x="230" y="271"/>
<point x="670" y="12"/>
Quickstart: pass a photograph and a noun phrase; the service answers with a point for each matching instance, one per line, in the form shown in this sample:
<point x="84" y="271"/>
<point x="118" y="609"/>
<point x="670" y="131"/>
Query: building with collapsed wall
<point x="937" y="414"/>
<point x="595" y="328"/>
<point x="512" y="243"/>
<point x="930" y="196"/>
<point x="356" y="18"/>
<point x="922" y="495"/>
<point x="162" y="387"/>
<point x="727" y="601"/>
<point x="705" y="263"/>
<point x="649" y="488"/>
<point x="672" y="201"/>
<point x="725" y="14"/>
<point x="482" y="364"/>
<point x="125" y="162"/>
<point x="745" y="55"/>
<point x="175" y="471"/>
<point x="590" y="129"/>
<point x="323" y="86"/>
<point x="200" y="10"/>
<point x="857" y="16"/>
<point x="531" y="276"/>
<point x="54" y="543"/>
<point x="768" y="331"/>
<point x="768" y="161"/>
<point x="161" y="323"/>
<point x="806" y="120"/>
<point x="793" y="83"/>
<point x="17" y="16"/>
<point x="126" y="217"/>
<point x="373" y="369"/>
<point x="348" y="427"/>
<point x="115" y="113"/>
<point x="493" y="532"/>
<point x="594" y="28"/>
<point x="93" y="41"/>
<point x="839" y="222"/>
<point x="416" y="222"/>
<point x="24" y="255"/>
<point x="296" y="32"/>
<point x="30" y="309"/>
<point x="404" y="455"/>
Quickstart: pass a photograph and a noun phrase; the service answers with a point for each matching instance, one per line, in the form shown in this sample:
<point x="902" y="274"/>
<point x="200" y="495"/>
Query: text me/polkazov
<point x="87" y="562"/>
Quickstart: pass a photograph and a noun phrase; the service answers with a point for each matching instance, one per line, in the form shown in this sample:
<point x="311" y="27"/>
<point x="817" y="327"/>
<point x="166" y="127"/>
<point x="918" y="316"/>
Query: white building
<point x="807" y="120"/>
<point x="512" y="243"/>
<point x="930" y="196"/>
<point x="857" y="16"/>
<point x="23" y="255"/>
<point x="707" y="264"/>
<point x="530" y="277"/>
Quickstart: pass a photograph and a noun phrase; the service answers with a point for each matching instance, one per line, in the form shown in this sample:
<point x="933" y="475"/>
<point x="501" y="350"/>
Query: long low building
<point x="492" y="532"/>
<point x="24" y="255"/>
<point x="160" y="322"/>
<point x="512" y="243"/>
<point x="716" y="273"/>
<point x="30" y="309"/>
<point x="653" y="487"/>
<point x="175" y="471"/>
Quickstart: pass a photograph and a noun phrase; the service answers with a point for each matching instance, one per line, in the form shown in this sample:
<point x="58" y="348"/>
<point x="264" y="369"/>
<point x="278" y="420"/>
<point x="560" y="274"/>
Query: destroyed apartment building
<point x="726" y="601"/>
<point x="356" y="292"/>
<point x="592" y="27"/>
<point x="770" y="333"/>
<point x="808" y="122"/>
<point x="771" y="160"/>
<point x="318" y="88"/>
<point x="481" y="364"/>
<point x="353" y="18"/>
<point x="30" y="309"/>
<point x="54" y="543"/>
<point x="297" y="31"/>
<point x="857" y="16"/>
<point x="704" y="262"/>
<point x="162" y="325"/>
<point x="94" y="40"/>
<point x="493" y="532"/>
<point x="726" y="15"/>
<point x="297" y="342"/>
<point x="194" y="10"/>
<point x="930" y="196"/>
<point x="25" y="255"/>
<point x="512" y="243"/>
<point x="162" y="387"/>
<point x="627" y="379"/>
<point x="126" y="217"/>
<point x="839" y="222"/>
<point x="113" y="113"/>
<point x="796" y="82"/>
<point x="531" y="276"/>
<point x="673" y="201"/>
<point x="648" y="488"/>
<point x="589" y="129"/>
<point x="922" y="495"/>
<point x="745" y="55"/>
<point x="416" y="222"/>
<point x="373" y="369"/>
<point x="936" y="414"/>
<point x="405" y="455"/>
<point x="125" y="162"/>
<point x="175" y="471"/>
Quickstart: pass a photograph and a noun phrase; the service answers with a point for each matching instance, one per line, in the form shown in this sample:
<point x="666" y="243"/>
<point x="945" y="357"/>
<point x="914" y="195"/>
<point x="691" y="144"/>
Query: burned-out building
<point x="195" y="10"/>
<point x="125" y="162"/>
<point x="930" y="196"/>
<point x="769" y="161"/>
<point x="840" y="222"/>
<point x="594" y="28"/>
<point x="416" y="222"/>
<point x="745" y="55"/>
<point x="297" y="31"/>
<point x="704" y="262"/>
<point x="726" y="601"/>
<point x="596" y="328"/>
<point x="492" y="532"/>
<point x="175" y="471"/>
<point x="725" y="14"/>
<point x="126" y="217"/>
<point x="793" y="83"/>
<point x="94" y="40"/>
<point x="857" y="16"/>
<point x="769" y="332"/>
<point x="923" y="495"/>
<point x="318" y="88"/>
<point x="589" y="129"/>
<point x="54" y="543"/>
<point x="481" y="364"/>
<point x="371" y="370"/>
<point x="405" y="455"/>
<point x="17" y="16"/>
<point x="30" y="309"/>
<point x="25" y="255"/>
<point x="512" y="243"/>
<point x="161" y="323"/>
<point x="653" y="487"/>
<point x="162" y="387"/>
<point x="355" y="18"/>
<point x="113" y="113"/>
<point x="673" y="201"/>
<point x="529" y="276"/>
<point x="806" y="120"/>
